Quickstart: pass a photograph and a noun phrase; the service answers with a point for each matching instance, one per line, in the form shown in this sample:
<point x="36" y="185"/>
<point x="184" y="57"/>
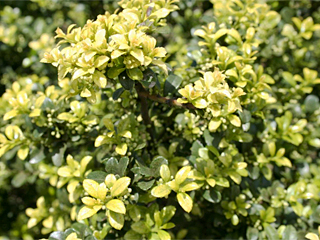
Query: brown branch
<point x="144" y="109"/>
<point x="170" y="101"/>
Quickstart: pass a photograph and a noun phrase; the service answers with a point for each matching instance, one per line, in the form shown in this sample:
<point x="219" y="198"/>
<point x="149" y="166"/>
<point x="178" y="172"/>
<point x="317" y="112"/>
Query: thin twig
<point x="165" y="100"/>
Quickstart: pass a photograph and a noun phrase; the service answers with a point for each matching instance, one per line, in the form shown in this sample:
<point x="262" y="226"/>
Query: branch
<point x="170" y="101"/>
<point x="144" y="109"/>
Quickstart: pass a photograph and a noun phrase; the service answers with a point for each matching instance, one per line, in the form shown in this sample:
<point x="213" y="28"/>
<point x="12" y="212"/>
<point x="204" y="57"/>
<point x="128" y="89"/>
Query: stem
<point x="144" y="109"/>
<point x="165" y="100"/>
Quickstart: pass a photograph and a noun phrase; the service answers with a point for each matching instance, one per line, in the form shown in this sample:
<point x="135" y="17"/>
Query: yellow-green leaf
<point x="165" y="172"/>
<point x="190" y="186"/>
<point x="120" y="186"/>
<point x="89" y="201"/>
<point x="85" y="93"/>
<point x="110" y="180"/>
<point x="91" y="187"/>
<point x="161" y="191"/>
<point x="10" y="115"/>
<point x="211" y="182"/>
<point x="235" y="120"/>
<point x="99" y="140"/>
<point x="86" y="212"/>
<point x="122" y="148"/>
<point x="23" y="152"/>
<point x="65" y="171"/>
<point x="185" y="201"/>
<point x="117" y="206"/>
<point x="163" y="235"/>
<point x="312" y="236"/>
<point x="35" y="113"/>
<point x="214" y="124"/>
<point x="84" y="162"/>
<point x="182" y="174"/>
<point x="72" y="185"/>
<point x="116" y="220"/>
<point x="138" y="54"/>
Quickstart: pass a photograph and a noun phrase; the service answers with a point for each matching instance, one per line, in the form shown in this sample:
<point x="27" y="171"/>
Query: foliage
<point x="161" y="119"/>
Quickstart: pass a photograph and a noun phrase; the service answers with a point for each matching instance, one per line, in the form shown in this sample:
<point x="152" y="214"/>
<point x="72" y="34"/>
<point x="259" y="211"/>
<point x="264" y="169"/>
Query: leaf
<point x="185" y="201"/>
<point x="163" y="235"/>
<point x="235" y="34"/>
<point x="122" y="166"/>
<point x="135" y="74"/>
<point x="57" y="235"/>
<point x="58" y="156"/>
<point x="161" y="191"/>
<point x="161" y="65"/>
<point x="168" y="225"/>
<point x="167" y="213"/>
<point x="120" y="186"/>
<point x="97" y="176"/>
<point x="116" y="220"/>
<point x="156" y="164"/>
<point x="234" y="120"/>
<point x="182" y="174"/>
<point x="86" y="212"/>
<point x="36" y="156"/>
<point x="212" y="196"/>
<point x="93" y="188"/>
<point x="223" y="182"/>
<point x="311" y="103"/>
<point x="165" y="172"/>
<point x="252" y="233"/>
<point x="117" y="93"/>
<point x="312" y="236"/>
<point x="125" y="81"/>
<point x="19" y="179"/>
<point x="138" y="54"/>
<point x="114" y="72"/>
<point x="10" y="114"/>
<point x="117" y="206"/>
<point x="171" y="84"/>
<point x="146" y="185"/>
<point x="122" y="148"/>
<point x="271" y="233"/>
<point x="23" y="152"/>
<point x="111" y="165"/>
<point x="195" y="148"/>
<point x="140" y="227"/>
<point x="214" y="125"/>
<point x="190" y="186"/>
<point x="290" y="233"/>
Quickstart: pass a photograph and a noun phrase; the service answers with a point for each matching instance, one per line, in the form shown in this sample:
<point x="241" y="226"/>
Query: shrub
<point x="162" y="120"/>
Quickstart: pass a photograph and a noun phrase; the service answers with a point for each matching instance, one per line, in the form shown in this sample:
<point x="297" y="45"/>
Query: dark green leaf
<point x="290" y="233"/>
<point x="212" y="196"/>
<point x="171" y="84"/>
<point x="36" y="156"/>
<point x="252" y="233"/>
<point x="58" y="235"/>
<point x="125" y="81"/>
<point x="19" y="179"/>
<point x="81" y="229"/>
<point x="146" y="185"/>
<point x="311" y="103"/>
<point x="117" y="93"/>
<point x="245" y="116"/>
<point x="195" y="148"/>
<point x="156" y="164"/>
<point x="271" y="233"/>
<point x="122" y="166"/>
<point x="58" y="156"/>
<point x="111" y="165"/>
<point x="97" y="176"/>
